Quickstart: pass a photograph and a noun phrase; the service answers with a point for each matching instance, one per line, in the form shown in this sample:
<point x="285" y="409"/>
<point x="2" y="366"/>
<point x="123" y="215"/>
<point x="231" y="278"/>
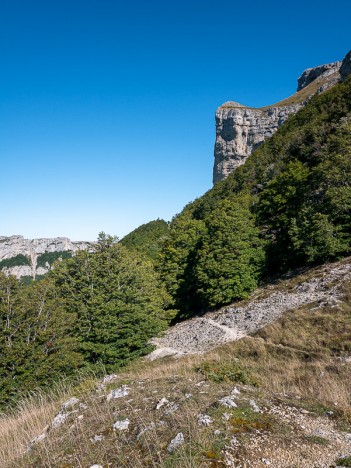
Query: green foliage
<point x="229" y="371"/>
<point x="96" y="307"/>
<point x="117" y="298"/>
<point x="231" y="254"/>
<point x="346" y="461"/>
<point x="147" y="238"/>
<point x="36" y="342"/>
<point x="18" y="260"/>
<point x="314" y="439"/>
<point x="178" y="261"/>
<point x="291" y="199"/>
<point x="51" y="257"/>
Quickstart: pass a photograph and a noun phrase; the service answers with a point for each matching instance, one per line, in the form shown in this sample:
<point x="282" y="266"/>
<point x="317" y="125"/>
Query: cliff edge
<point x="34" y="257"/>
<point x="240" y="129"/>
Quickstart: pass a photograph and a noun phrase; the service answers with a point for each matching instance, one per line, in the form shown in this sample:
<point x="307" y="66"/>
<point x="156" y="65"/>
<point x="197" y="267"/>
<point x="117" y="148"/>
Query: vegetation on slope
<point x="295" y="371"/>
<point x="51" y="257"/>
<point x="96" y="308"/>
<point x="18" y="260"/>
<point x="147" y="238"/>
<point x="288" y="206"/>
<point x="291" y="199"/>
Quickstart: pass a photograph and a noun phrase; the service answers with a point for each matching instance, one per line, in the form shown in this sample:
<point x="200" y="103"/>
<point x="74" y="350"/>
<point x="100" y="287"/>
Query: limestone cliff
<point x="241" y="129"/>
<point x="30" y="257"/>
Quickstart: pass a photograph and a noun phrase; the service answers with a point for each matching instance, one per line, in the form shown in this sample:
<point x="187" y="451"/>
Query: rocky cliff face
<point x="241" y="129"/>
<point x="32" y="257"/>
<point x="312" y="74"/>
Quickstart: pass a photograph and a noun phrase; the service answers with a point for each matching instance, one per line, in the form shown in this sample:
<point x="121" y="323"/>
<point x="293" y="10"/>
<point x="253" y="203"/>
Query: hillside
<point x="30" y="258"/>
<point x="241" y="129"/>
<point x="147" y="238"/>
<point x="255" y="278"/>
<point x="288" y="206"/>
<point x="280" y="397"/>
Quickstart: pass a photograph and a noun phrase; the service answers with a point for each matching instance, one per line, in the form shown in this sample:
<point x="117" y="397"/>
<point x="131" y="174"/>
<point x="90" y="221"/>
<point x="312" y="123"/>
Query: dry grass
<point x="23" y="425"/>
<point x="297" y="98"/>
<point x="296" y="361"/>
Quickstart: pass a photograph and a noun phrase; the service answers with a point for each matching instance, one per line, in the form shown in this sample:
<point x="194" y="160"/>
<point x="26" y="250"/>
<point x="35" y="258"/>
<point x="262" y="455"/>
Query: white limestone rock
<point x="69" y="403"/>
<point x="31" y="249"/>
<point x="228" y="402"/>
<point x="122" y="425"/>
<point x="311" y="74"/>
<point x="118" y="393"/>
<point x="204" y="420"/>
<point x="240" y="130"/>
<point x="161" y="403"/>
<point x="176" y="442"/>
<point x="59" y="419"/>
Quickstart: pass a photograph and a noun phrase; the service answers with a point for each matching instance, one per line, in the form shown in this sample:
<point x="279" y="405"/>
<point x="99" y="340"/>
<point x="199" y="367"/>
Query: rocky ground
<point x="279" y="397"/>
<point x="232" y="323"/>
<point x="234" y="426"/>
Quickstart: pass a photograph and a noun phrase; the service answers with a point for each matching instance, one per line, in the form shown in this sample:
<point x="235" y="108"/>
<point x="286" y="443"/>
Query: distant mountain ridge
<point x="241" y="129"/>
<point x="33" y="257"/>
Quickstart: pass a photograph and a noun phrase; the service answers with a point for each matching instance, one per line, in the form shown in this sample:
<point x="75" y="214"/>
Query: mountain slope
<point x="279" y="397"/>
<point x="291" y="198"/>
<point x="33" y="257"/>
<point x="267" y="305"/>
<point x="240" y="129"/>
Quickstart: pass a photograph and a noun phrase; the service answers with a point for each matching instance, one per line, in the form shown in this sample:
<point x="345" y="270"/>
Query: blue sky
<point x="107" y="107"/>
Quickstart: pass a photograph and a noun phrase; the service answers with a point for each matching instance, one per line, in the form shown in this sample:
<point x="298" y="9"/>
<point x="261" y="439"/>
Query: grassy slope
<point x="297" y="363"/>
<point x="298" y="98"/>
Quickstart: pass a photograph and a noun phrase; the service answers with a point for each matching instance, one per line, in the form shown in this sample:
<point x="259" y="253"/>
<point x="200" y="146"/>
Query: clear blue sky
<point x="107" y="107"/>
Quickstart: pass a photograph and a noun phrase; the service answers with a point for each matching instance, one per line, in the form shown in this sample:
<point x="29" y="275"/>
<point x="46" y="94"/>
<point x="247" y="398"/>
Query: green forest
<point x="288" y="206"/>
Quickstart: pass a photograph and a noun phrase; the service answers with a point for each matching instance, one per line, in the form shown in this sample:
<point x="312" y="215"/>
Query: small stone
<point x="200" y="383"/>
<point x="234" y="441"/>
<point x="161" y="403"/>
<point x="145" y="429"/>
<point x="121" y="425"/>
<point x="97" y="438"/>
<point x="109" y="378"/>
<point x="228" y="402"/>
<point x="204" y="420"/>
<point x="176" y="442"/>
<point x="217" y="432"/>
<point x="59" y="419"/>
<point x="118" y="393"/>
<point x="37" y="439"/>
<point x="254" y="406"/>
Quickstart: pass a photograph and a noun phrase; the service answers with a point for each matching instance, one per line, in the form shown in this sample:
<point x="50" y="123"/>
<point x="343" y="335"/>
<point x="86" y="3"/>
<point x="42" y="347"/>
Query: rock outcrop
<point x="312" y="74"/>
<point x="240" y="129"/>
<point x="26" y="257"/>
<point x="345" y="69"/>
